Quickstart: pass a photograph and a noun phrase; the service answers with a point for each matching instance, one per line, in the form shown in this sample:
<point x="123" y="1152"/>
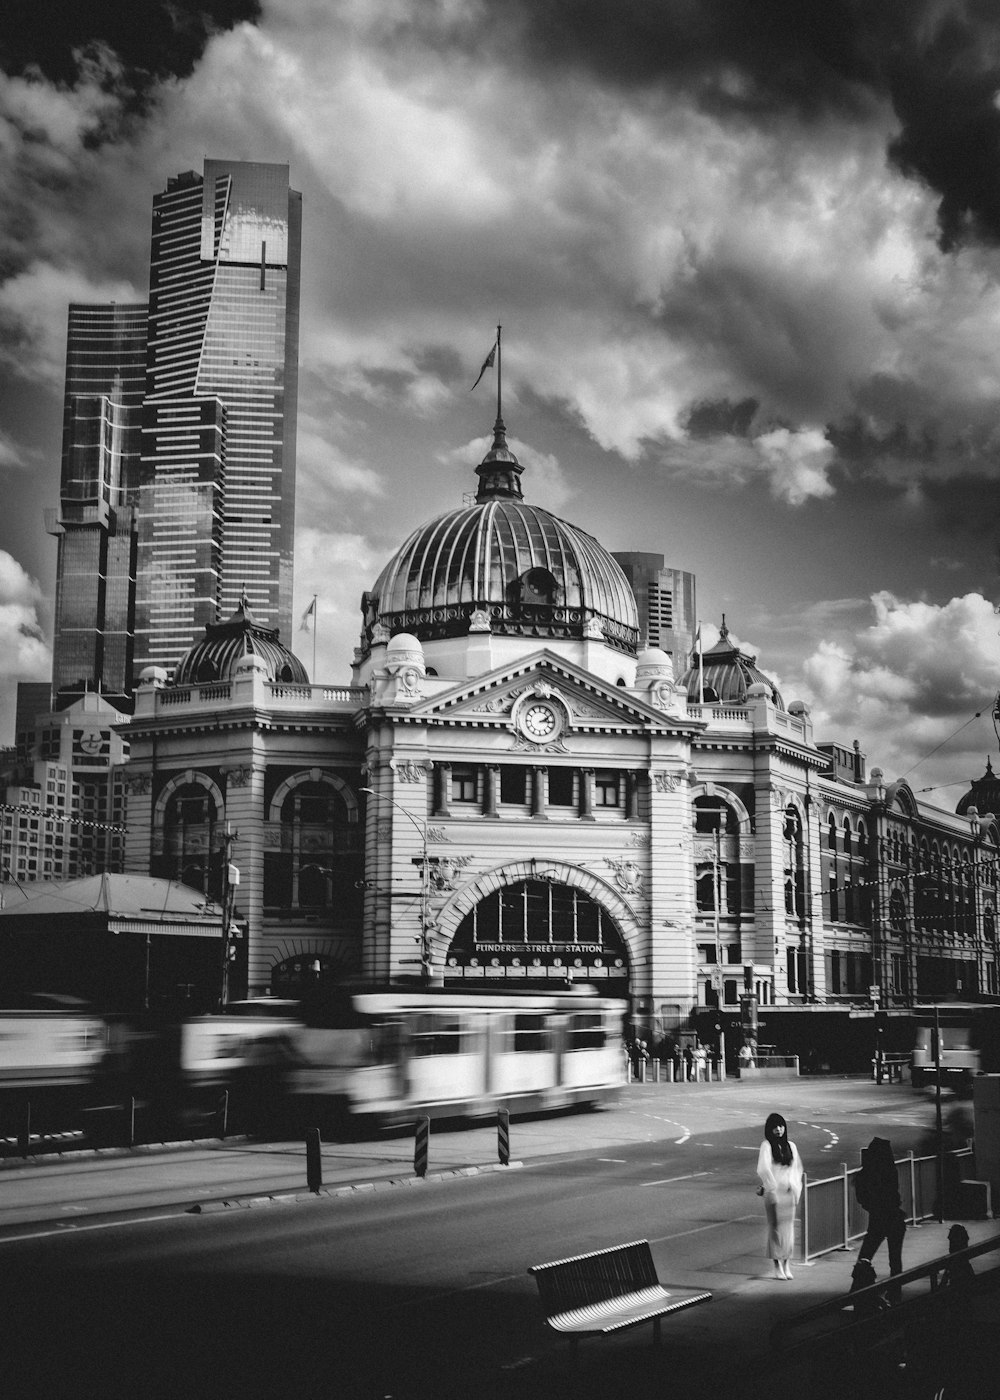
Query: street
<point x="113" y="1287"/>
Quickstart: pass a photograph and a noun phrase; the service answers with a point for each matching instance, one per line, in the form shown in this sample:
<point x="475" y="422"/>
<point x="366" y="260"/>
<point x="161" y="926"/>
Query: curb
<point x="355" y="1189"/>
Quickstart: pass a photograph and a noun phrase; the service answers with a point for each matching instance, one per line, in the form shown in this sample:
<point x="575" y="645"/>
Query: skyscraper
<point x="98" y="494"/>
<point x="178" y="464"/>
<point x="217" y="503"/>
<point x="665" y="599"/>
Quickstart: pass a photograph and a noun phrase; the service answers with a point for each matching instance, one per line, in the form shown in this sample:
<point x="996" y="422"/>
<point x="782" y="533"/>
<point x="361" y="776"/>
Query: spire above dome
<point x="499" y="472"/>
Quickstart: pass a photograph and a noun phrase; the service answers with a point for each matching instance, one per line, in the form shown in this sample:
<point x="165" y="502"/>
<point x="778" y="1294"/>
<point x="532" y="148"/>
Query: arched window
<point x="317" y="865"/>
<point x="192" y="844"/>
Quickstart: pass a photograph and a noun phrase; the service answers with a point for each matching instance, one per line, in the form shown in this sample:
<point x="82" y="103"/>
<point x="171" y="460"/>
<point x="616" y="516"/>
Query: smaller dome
<point x="402" y="642"/>
<point x="153" y="675"/>
<point x="983" y="796"/>
<point x="236" y="645"/>
<point x="654" y="656"/>
<point x="724" y="675"/>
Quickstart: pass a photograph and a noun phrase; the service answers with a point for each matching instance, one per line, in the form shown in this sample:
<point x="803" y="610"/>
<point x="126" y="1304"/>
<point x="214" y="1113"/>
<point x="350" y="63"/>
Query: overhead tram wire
<point x="978" y="715"/>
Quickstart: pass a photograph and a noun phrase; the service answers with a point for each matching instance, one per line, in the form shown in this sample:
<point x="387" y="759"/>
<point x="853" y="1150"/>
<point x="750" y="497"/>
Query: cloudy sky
<point x="746" y="254"/>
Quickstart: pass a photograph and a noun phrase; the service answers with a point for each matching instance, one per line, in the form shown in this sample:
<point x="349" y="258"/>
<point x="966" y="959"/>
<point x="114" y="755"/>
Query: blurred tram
<point x="381" y="1057"/>
<point x="969" y="1045"/>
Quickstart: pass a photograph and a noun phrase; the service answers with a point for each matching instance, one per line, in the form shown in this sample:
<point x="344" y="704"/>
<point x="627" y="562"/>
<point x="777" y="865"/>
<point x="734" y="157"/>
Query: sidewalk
<point x="725" y="1346"/>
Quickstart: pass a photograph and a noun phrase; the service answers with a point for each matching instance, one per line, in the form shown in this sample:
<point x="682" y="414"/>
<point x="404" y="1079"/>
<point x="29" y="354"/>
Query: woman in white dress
<point x="779" y="1167"/>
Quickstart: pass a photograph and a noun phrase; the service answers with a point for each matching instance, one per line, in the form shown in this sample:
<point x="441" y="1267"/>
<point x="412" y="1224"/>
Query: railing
<point x="831" y="1217"/>
<point x="933" y="1271"/>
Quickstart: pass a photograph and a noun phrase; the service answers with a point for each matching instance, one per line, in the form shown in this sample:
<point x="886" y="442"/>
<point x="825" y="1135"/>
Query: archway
<point x="538" y="932"/>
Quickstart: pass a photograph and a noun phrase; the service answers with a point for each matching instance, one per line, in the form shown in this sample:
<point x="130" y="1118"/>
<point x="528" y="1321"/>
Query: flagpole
<point x="315" y="628"/>
<point x="701" y="669"/>
<point x="499" y="374"/>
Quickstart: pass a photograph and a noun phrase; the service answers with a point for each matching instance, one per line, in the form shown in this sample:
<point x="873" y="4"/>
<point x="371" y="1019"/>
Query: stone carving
<point x="628" y="876"/>
<point x="444" y="873"/>
<point x="480" y="621"/>
<point x="409" y="771"/>
<point x="666" y="782"/>
<point x="239" y="777"/>
<point x="642" y="839"/>
<point x="138" y="784"/>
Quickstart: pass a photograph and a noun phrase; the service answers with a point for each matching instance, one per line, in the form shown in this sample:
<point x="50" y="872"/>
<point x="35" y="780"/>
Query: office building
<point x="178" y="463"/>
<point x="96" y="523"/>
<point x="666" y="602"/>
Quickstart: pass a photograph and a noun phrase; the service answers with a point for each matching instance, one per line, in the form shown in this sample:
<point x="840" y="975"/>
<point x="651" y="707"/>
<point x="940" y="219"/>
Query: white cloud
<point x="796" y="463"/>
<point x="33" y="315"/>
<point x="24" y="653"/>
<point x="909" y="683"/>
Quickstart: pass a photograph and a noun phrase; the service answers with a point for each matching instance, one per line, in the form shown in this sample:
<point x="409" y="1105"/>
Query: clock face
<point x="539" y="721"/>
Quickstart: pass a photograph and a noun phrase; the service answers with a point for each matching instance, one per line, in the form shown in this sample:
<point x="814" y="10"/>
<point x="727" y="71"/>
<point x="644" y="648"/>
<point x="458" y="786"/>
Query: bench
<point x="607" y="1291"/>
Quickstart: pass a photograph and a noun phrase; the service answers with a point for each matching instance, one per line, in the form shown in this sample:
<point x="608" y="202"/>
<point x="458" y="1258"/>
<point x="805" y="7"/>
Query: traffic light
<point x="881" y="1022"/>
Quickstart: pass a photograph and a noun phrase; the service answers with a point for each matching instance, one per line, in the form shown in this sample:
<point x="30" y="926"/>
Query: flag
<point x="309" y="612"/>
<point x="488" y="363"/>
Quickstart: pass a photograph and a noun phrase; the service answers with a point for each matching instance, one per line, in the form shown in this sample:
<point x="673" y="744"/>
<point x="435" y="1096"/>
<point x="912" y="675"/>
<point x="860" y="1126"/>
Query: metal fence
<point x="830" y="1217"/>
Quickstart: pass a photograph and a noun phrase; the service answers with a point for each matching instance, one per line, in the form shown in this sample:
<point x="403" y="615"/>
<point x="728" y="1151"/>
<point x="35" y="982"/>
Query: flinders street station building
<point x="518" y="789"/>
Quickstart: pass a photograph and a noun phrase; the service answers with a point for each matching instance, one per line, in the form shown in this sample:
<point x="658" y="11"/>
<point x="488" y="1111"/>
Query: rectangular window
<point x="706" y="953"/>
<point x="463" y="785"/>
<point x="730" y="991"/>
<point x="791" y="969"/>
<point x="513" y="784"/>
<point x="561" y="787"/>
<point x="586" y="1032"/>
<point x="606" y="789"/>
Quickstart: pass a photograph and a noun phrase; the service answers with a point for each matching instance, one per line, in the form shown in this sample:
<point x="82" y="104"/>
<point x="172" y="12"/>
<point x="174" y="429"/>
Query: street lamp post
<point x="421" y="828"/>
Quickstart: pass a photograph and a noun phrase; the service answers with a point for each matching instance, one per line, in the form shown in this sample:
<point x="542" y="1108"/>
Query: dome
<point x="227" y="645"/>
<point x="520" y="568"/>
<point x="726" y="676"/>
<point x="983" y="796"/>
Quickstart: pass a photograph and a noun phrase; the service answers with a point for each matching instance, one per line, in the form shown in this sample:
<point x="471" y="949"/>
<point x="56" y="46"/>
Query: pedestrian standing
<point x="700" y="1062"/>
<point x="779" y="1167"/>
<point x="876" y="1186"/>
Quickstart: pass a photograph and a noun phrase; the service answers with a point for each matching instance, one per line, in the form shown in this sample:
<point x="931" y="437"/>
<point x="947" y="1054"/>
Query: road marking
<point x="689" y="1176"/>
<point x="68" y="1228"/>
<point x="619" y="1160"/>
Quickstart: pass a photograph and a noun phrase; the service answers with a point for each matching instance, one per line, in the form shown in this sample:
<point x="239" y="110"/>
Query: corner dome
<point x="725" y="676"/>
<point x="226" y="646"/>
<point x="530" y="573"/>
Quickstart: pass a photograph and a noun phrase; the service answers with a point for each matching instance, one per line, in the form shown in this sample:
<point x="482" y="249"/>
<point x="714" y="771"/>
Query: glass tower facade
<point x="96" y="523"/>
<point x="217" y="502"/>
<point x="178" y="463"/>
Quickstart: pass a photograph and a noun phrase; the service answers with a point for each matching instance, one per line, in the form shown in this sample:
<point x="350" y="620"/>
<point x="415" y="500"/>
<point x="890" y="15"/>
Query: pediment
<point x="502" y="698"/>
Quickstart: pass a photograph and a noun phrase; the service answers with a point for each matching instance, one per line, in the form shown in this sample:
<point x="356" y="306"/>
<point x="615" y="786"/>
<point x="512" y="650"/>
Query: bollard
<point x="503" y="1137"/>
<point x="420" y="1146"/>
<point x="314" y="1161"/>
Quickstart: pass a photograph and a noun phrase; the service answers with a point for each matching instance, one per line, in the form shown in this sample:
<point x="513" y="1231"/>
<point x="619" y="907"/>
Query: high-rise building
<point x="665" y="599"/>
<point x="96" y="520"/>
<point x="177" y="496"/>
<point x="217" y="505"/>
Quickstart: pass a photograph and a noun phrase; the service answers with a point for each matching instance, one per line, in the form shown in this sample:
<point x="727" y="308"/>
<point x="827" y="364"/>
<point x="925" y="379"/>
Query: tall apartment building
<point x="178" y="466"/>
<point x="666" y="600"/>
<point x="217" y="503"/>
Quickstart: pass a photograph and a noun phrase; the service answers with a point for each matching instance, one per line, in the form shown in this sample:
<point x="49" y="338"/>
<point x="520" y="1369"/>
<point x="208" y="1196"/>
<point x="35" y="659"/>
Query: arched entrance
<point x="538" y="934"/>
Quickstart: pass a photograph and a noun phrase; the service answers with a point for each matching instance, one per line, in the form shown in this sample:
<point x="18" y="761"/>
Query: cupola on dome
<point x="225" y="645"/>
<point x="726" y="676"/>
<point x="501" y="563"/>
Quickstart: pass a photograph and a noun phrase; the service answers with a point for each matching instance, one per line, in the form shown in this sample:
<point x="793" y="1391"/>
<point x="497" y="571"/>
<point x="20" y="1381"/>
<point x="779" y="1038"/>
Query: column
<point x="442" y="789"/>
<point x="539" y="791"/>
<point x="491" y="791"/>
<point x="587" y="795"/>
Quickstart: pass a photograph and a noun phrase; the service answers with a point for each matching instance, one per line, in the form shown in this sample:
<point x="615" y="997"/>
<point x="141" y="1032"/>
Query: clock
<point x="539" y="720"/>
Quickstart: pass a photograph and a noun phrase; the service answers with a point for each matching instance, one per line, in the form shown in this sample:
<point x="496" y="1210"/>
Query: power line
<point x="978" y="715"/>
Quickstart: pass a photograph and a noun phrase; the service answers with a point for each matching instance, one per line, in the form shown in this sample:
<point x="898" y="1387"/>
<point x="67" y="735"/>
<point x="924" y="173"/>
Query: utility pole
<point x="230" y="881"/>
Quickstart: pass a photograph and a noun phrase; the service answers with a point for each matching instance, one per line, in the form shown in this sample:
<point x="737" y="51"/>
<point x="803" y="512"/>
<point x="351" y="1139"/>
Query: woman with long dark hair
<point x="779" y="1167"/>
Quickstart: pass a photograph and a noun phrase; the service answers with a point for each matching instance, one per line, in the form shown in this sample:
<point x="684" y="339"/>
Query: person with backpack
<point x="876" y="1187"/>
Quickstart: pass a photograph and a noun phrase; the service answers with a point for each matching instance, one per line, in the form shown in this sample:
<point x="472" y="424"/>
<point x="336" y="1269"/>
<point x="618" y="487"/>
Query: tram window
<point x="530" y="1033"/>
<point x="433" y="1035"/>
<point x="586" y="1031"/>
